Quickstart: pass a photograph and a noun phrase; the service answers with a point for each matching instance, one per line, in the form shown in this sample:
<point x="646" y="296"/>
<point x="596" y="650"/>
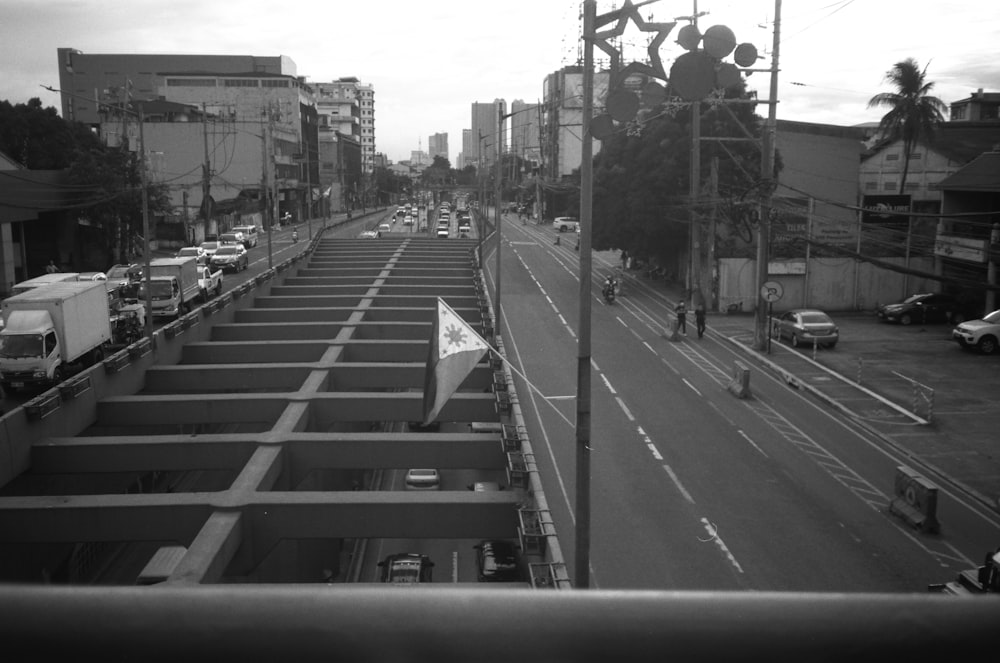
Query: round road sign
<point x="771" y="291"/>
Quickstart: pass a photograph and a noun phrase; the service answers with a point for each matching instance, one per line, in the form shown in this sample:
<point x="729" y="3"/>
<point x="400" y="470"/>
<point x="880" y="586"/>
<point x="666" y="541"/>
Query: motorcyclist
<point x="295" y="235"/>
<point x="610" y="289"/>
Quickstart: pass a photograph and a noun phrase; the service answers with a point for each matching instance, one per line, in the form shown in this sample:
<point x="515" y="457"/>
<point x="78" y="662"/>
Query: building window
<point x="958" y="113"/>
<point x="191" y="82"/>
<point x="889" y="185"/>
<point x="916" y="155"/>
<point x="240" y="82"/>
<point x="892" y="157"/>
<point x="912" y="186"/>
<point x="871" y="186"/>
<point x="274" y="83"/>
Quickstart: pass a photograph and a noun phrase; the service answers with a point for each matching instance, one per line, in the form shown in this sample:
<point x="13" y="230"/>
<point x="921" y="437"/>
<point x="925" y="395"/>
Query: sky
<point x="430" y="60"/>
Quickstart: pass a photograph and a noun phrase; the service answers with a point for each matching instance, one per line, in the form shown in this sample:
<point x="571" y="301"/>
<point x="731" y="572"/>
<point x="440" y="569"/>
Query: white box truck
<point x="44" y="279"/>
<point x="52" y="332"/>
<point x="174" y="286"/>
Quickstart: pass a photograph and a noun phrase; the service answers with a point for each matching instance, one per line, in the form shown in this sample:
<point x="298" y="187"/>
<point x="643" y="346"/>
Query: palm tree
<point x="913" y="114"/>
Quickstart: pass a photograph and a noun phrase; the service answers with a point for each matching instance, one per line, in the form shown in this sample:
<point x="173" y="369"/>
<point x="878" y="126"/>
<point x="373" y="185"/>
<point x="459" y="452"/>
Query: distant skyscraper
<point x="468" y="150"/>
<point x="485" y="122"/>
<point x="437" y="146"/>
<point x="524" y="123"/>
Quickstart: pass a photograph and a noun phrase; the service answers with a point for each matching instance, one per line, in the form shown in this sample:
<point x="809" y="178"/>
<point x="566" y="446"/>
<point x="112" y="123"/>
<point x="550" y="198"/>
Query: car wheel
<point x="905" y="319"/>
<point x="987" y="345"/>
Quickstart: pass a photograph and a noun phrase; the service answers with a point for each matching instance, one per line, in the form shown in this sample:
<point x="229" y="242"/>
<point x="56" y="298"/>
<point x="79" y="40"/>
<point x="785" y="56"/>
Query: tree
<point x="38" y="138"/>
<point x="913" y="114"/>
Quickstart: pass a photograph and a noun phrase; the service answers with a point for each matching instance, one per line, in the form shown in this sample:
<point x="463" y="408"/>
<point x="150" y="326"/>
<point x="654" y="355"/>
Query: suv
<point x="983" y="334"/>
<point x="250" y="235"/>
<point x="231" y="238"/>
<point x="566" y="223"/>
<point x="923" y="308"/>
<point x="406" y="568"/>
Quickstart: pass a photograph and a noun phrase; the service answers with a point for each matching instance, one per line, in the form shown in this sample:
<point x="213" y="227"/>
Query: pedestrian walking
<point x="699" y="318"/>
<point x="681" y="312"/>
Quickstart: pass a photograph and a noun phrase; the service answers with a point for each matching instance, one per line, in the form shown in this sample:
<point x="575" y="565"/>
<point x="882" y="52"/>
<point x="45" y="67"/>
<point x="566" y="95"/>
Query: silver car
<point x="806" y="327"/>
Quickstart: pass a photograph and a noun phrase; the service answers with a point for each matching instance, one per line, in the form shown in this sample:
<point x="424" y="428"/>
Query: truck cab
<point x="173" y="286"/>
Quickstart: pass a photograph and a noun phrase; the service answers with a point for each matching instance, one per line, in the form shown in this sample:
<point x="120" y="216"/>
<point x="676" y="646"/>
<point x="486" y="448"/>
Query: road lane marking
<point x="752" y="443"/>
<point x="677" y="482"/>
<point x="607" y="383"/>
<point x="693" y="388"/>
<point x="713" y="533"/>
<point x="625" y="409"/>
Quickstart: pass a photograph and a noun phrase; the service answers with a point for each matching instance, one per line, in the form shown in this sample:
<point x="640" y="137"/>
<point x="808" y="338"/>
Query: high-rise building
<point x="350" y="87"/>
<point x="485" y="125"/>
<point x="437" y="146"/>
<point x="562" y="104"/>
<point x="525" y="121"/>
<point x="469" y="150"/>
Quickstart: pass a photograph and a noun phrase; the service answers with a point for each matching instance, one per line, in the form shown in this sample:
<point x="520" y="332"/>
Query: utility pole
<point x="146" y="258"/>
<point x="761" y="335"/>
<point x="499" y="219"/>
<point x="582" y="559"/>
<point x="206" y="175"/>
<point x="265" y="190"/>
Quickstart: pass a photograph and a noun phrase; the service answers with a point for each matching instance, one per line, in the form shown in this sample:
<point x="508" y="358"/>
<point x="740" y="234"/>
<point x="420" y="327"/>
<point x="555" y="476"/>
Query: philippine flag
<point x="455" y="349"/>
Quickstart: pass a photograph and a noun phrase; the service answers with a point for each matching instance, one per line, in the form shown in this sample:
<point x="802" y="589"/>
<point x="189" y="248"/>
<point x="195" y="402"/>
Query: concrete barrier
<point x="740" y="384"/>
<point x="915" y="500"/>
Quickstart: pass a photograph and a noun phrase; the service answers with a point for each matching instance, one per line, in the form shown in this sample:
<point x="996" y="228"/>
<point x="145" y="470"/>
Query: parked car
<point x="923" y="308"/>
<point x="806" y="327"/>
<point x="566" y="223"/>
<point x="982" y="334"/>
<point x="496" y="561"/>
<point x="230" y="257"/>
<point x="406" y="568"/>
<point x="423" y="479"/>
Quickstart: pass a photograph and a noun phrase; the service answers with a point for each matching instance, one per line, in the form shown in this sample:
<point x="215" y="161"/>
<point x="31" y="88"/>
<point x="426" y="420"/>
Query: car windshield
<point x="209" y="246"/>
<point x="993" y="317"/>
<point x="815" y="318"/>
<point x="915" y="298"/>
<point x="16" y="346"/>
<point x="226" y="250"/>
<point x="158" y="290"/>
<point x="405" y="571"/>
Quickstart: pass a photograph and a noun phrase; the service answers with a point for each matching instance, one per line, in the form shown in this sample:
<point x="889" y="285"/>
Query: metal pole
<point x="767" y="182"/>
<point x="497" y="216"/>
<point x="694" y="189"/>
<point x="146" y="258"/>
<point x="582" y="562"/>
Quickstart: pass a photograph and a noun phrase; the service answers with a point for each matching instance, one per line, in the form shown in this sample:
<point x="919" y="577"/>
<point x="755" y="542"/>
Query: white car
<point x="192" y="252"/>
<point x="982" y="334"/>
<point x="423" y="479"/>
<point x="384" y="227"/>
<point x="566" y="223"/>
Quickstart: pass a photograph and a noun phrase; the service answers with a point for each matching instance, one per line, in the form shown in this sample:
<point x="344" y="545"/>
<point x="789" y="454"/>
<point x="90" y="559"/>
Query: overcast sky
<point x="430" y="60"/>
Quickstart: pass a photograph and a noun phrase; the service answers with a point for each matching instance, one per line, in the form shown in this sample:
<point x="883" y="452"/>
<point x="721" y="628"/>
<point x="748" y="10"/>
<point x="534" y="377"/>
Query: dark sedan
<point x="806" y="327"/>
<point x="923" y="308"/>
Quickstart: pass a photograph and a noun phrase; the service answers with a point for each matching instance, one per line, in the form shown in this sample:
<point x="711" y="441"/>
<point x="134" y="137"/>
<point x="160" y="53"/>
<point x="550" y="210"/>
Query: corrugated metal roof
<point x="981" y="174"/>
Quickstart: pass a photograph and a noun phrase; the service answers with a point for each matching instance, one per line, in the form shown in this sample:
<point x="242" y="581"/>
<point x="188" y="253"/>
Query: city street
<point x="694" y="488"/>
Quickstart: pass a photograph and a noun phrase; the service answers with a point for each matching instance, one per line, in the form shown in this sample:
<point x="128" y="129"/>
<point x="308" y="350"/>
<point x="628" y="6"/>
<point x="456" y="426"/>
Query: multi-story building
<point x="122" y="77"/>
<point x="485" y="125"/>
<point x="437" y="146"/>
<point x="469" y="150"/>
<point x="525" y="122"/>
<point x="562" y="119"/>
<point x="981" y="106"/>
<point x="351" y="88"/>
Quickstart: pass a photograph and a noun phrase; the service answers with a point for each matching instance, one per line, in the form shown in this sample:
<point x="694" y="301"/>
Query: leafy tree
<point x="38" y="138"/>
<point x="913" y="113"/>
<point x="641" y="178"/>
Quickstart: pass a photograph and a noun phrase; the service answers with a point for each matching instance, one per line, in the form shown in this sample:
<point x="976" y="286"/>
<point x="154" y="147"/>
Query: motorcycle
<point x="610" y="290"/>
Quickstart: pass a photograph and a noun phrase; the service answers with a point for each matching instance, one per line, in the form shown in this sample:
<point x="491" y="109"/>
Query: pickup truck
<point x="210" y="282"/>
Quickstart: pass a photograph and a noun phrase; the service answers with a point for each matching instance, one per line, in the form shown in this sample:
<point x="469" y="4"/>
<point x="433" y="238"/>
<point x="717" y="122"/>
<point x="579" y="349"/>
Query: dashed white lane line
<point x="713" y="533"/>
<point x="693" y="388"/>
<point x="625" y="409"/>
<point x="607" y="383"/>
<point x="677" y="482"/>
<point x="752" y="443"/>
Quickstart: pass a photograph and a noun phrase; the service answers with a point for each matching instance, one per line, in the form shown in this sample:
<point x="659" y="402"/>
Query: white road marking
<point x="677" y="482"/>
<point x="713" y="533"/>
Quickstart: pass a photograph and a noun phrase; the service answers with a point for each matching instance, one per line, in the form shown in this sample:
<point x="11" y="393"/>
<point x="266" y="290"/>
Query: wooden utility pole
<point x="761" y="335"/>
<point x="146" y="256"/>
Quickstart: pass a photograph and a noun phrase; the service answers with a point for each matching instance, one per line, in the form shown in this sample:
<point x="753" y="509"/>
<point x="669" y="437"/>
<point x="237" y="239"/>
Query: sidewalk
<point x="912" y="386"/>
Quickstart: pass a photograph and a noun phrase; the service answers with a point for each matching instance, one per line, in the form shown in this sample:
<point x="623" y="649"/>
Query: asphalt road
<point x="691" y="487"/>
